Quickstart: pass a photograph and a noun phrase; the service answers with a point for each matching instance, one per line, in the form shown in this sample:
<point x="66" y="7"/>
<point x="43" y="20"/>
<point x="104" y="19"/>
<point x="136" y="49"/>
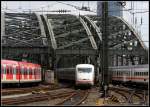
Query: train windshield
<point x="81" y="70"/>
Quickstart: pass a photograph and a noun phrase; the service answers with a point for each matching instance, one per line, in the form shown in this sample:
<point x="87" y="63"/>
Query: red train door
<point x="9" y="72"/>
<point x="30" y="73"/>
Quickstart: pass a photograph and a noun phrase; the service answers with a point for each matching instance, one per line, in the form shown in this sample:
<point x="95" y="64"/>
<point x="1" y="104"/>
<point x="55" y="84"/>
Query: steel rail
<point x="75" y="99"/>
<point x="34" y="98"/>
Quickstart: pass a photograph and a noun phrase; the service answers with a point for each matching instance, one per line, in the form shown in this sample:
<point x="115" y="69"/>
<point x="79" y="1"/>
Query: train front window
<point x="81" y="70"/>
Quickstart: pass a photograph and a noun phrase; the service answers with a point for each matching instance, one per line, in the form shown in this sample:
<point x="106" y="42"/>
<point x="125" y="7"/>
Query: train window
<point x="7" y="69"/>
<point x="17" y="70"/>
<point x="22" y="70"/>
<point x="141" y="73"/>
<point x="33" y="71"/>
<point x="14" y="70"/>
<point x="25" y="71"/>
<point x="81" y="70"/>
<point x="2" y="69"/>
<point x="10" y="70"/>
<point x="128" y="73"/>
<point x="30" y="71"/>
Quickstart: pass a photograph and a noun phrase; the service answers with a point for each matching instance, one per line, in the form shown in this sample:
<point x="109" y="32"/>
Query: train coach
<point x="82" y="74"/>
<point x="19" y="72"/>
<point x="134" y="74"/>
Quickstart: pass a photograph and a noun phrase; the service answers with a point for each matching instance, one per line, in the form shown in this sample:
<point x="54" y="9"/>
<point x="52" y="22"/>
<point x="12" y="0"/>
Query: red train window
<point x="7" y="69"/>
<point x="25" y="71"/>
<point x="33" y="71"/>
<point x="2" y="68"/>
<point x="22" y="70"/>
<point x="30" y="71"/>
<point x="10" y="70"/>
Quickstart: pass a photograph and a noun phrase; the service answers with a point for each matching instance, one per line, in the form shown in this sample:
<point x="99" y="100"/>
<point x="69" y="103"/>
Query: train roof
<point x="84" y="65"/>
<point x="9" y="62"/>
<point x="28" y="64"/>
<point x="132" y="66"/>
<point x="18" y="63"/>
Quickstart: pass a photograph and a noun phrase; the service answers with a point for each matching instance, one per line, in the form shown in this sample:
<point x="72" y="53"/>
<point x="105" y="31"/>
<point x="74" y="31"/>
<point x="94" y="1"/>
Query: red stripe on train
<point x="131" y="77"/>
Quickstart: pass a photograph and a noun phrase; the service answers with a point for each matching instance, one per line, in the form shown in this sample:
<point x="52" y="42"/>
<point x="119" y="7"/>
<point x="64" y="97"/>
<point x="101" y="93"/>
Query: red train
<point x="19" y="72"/>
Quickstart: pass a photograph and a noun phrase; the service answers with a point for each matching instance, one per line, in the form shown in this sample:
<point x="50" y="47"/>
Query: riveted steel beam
<point x="133" y="31"/>
<point x="42" y="29"/>
<point x="66" y="34"/>
<point x="2" y="24"/>
<point x="72" y="43"/>
<point x="97" y="29"/>
<point x="76" y="52"/>
<point x="51" y="34"/>
<point x="93" y="43"/>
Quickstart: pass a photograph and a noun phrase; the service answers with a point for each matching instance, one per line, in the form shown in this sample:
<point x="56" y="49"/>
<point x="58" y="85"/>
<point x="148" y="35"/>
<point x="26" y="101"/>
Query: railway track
<point x="37" y="97"/>
<point x="39" y="88"/>
<point x="75" y="98"/>
<point x="129" y="96"/>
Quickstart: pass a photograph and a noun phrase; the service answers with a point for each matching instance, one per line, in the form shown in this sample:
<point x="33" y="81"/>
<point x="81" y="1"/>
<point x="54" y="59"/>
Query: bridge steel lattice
<point x="63" y="40"/>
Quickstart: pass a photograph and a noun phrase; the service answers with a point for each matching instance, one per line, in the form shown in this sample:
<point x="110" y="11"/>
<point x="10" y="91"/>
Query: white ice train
<point x="82" y="74"/>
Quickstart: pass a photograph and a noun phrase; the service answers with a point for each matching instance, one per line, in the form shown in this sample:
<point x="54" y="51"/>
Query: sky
<point x="139" y="6"/>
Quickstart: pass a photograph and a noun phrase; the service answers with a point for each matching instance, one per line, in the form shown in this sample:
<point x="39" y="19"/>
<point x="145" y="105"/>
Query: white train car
<point x="134" y="74"/>
<point x="84" y="74"/>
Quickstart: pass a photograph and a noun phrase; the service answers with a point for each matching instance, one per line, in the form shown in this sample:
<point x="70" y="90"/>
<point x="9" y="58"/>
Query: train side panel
<point x="8" y="71"/>
<point x="30" y="72"/>
<point x="134" y="74"/>
<point x="19" y="72"/>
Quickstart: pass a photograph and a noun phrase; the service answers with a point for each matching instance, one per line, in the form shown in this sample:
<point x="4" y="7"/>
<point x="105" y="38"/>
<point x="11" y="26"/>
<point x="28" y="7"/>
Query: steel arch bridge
<point x="64" y="40"/>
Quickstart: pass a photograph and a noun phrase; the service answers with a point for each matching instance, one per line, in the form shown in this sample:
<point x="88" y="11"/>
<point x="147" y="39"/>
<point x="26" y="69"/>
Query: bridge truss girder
<point x="69" y="34"/>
